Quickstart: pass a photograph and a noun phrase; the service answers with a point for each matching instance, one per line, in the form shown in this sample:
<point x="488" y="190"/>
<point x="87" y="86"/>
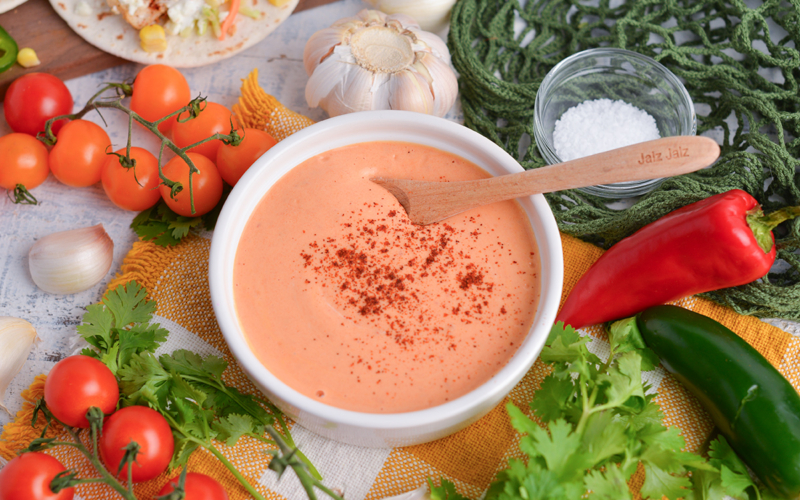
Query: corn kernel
<point x="27" y="58"/>
<point x="279" y="3"/>
<point x="153" y="38"/>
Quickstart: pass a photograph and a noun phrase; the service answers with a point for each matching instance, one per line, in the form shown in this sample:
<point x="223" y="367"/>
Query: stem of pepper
<point x="762" y="225"/>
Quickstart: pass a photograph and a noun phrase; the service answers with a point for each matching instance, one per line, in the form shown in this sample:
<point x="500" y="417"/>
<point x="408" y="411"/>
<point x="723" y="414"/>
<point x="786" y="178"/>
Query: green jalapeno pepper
<point x="8" y="50"/>
<point x="752" y="404"/>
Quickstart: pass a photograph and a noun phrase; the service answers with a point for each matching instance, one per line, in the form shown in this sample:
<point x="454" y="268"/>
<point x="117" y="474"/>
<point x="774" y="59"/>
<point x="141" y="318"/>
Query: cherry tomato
<point x="23" y="160"/>
<point x="147" y="428"/>
<point x="212" y="119"/>
<point x="158" y="91"/>
<point x="77" y="383"/>
<point x="28" y="476"/>
<point x="197" y="487"/>
<point x="207" y="185"/>
<point x="33" y="99"/>
<point x="79" y="153"/>
<point x="233" y="161"/>
<point x="122" y="187"/>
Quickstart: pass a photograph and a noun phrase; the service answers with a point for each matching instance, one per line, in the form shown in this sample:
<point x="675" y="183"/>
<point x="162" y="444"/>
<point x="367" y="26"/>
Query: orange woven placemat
<point x="177" y="279"/>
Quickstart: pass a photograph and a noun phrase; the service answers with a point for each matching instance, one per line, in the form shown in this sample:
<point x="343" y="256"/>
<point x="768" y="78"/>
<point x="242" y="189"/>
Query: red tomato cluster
<point x="74" y="385"/>
<point x="82" y="155"/>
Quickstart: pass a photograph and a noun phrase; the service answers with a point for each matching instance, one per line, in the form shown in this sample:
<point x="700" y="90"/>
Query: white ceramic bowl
<point x="368" y="429"/>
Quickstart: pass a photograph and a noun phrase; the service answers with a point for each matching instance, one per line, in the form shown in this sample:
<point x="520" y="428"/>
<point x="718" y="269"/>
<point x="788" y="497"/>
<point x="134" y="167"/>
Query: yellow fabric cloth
<point x="177" y="279"/>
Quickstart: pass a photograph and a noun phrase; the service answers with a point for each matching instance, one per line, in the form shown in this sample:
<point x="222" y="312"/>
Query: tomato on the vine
<point x="206" y="185"/>
<point x="214" y="118"/>
<point x="147" y="428"/>
<point x="79" y="153"/>
<point x="132" y="188"/>
<point x="77" y="383"/>
<point x="233" y="161"/>
<point x="158" y="91"/>
<point x="197" y="487"/>
<point x="28" y="477"/>
<point x="33" y="99"/>
<point x="23" y="160"/>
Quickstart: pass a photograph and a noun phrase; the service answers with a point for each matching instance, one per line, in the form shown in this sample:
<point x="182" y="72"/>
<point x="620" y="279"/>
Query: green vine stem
<point x="306" y="479"/>
<point x="193" y="109"/>
<point x="91" y="455"/>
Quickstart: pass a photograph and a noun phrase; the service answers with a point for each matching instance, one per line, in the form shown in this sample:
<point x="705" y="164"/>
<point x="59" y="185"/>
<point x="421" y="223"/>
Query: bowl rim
<point x="547" y="149"/>
<point x="223" y="240"/>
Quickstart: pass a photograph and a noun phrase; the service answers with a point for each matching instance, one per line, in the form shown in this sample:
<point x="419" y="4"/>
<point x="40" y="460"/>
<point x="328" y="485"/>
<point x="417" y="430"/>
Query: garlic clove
<point x="71" y="261"/>
<point x="328" y="76"/>
<point x="444" y="81"/>
<point x="16" y="339"/>
<point x="320" y="46"/>
<point x="411" y="91"/>
<point x="434" y="45"/>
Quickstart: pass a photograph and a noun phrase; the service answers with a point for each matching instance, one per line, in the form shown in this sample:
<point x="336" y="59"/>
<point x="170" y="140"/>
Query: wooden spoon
<point x="429" y="202"/>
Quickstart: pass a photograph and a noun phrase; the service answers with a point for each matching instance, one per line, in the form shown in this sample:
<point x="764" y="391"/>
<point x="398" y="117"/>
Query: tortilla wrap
<point x="6" y="5"/>
<point x="111" y="33"/>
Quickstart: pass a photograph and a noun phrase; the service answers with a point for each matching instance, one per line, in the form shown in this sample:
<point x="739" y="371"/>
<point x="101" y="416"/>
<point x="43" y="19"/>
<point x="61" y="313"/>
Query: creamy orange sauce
<point x="347" y="302"/>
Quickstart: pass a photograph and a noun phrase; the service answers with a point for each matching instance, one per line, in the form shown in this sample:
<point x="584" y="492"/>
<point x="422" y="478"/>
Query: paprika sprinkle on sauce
<point x="345" y="300"/>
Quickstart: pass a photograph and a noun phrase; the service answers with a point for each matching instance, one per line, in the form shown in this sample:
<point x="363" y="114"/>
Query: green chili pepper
<point x="752" y="404"/>
<point x="8" y="50"/>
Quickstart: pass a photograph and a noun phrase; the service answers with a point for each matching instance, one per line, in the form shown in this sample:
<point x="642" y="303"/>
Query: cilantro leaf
<point x="96" y="326"/>
<point x="140" y="338"/>
<point x="557" y="446"/>
<point x="624" y="336"/>
<point x="144" y="381"/>
<point x="127" y="305"/>
<point x="119" y="327"/>
<point x="610" y="485"/>
<point x="623" y="382"/>
<point x="181" y="225"/>
<point x="447" y="491"/>
<point x="605" y="436"/>
<point x="552" y="396"/>
<point x="658" y="483"/>
<point x="234" y="426"/>
<point x="161" y="225"/>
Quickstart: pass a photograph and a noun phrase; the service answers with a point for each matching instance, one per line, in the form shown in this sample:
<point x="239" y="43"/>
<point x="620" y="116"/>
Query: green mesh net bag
<point x="739" y="64"/>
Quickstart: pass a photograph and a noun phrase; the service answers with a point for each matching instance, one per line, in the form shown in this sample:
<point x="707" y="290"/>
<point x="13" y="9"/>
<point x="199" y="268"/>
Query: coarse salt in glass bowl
<point x="618" y="75"/>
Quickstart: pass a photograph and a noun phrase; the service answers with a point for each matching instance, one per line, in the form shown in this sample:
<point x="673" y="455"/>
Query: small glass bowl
<point x="615" y="74"/>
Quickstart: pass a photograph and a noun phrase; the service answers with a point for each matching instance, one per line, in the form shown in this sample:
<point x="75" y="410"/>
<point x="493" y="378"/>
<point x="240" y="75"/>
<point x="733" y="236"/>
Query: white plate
<point x="111" y="33"/>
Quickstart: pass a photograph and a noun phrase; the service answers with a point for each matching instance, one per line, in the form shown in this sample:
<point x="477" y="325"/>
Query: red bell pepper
<point x="719" y="242"/>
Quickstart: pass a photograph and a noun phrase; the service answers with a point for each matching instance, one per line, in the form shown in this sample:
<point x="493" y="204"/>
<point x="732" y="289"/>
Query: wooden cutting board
<point x="63" y="53"/>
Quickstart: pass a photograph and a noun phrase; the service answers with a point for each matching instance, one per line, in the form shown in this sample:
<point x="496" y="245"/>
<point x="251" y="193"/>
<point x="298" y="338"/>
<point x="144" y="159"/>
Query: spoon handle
<point x="664" y="157"/>
<point x="428" y="202"/>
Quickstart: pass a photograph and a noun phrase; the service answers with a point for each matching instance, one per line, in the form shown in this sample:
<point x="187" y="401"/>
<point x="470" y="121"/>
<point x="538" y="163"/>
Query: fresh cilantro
<point x="161" y="225"/>
<point x="599" y="425"/>
<point x="447" y="491"/>
<point x="119" y="326"/>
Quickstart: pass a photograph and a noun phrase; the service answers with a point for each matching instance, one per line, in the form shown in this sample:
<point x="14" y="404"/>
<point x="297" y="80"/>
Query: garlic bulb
<point x="71" y="261"/>
<point x="432" y="15"/>
<point x="16" y="338"/>
<point x="375" y="61"/>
